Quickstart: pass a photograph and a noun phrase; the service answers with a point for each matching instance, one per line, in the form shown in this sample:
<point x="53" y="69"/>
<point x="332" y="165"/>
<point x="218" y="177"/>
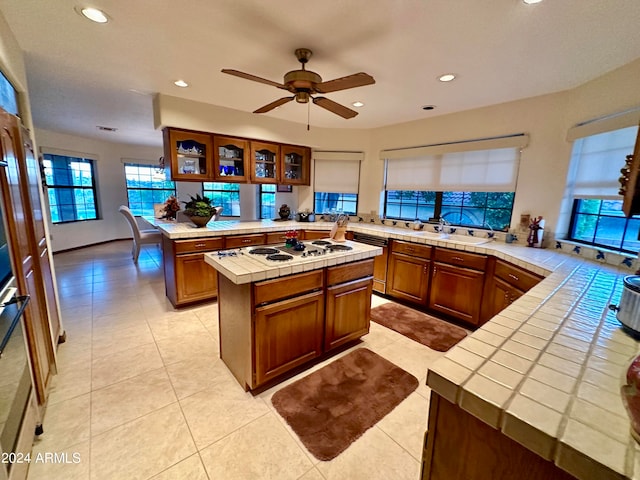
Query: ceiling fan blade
<point x="351" y="81"/>
<point x="272" y="105"/>
<point x="334" y="107"/>
<point x="248" y="76"/>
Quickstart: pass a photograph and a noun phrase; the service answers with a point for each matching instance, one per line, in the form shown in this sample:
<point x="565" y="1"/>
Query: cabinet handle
<point x="424" y="269"/>
<point x="458" y="259"/>
<point x="200" y="245"/>
<point x="515" y="277"/>
<point x="248" y="240"/>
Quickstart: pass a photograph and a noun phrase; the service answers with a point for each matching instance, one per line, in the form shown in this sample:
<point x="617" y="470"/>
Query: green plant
<point x="199" y="207"/>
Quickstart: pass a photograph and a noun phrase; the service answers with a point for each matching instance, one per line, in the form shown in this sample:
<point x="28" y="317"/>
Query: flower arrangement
<point x="171" y="208"/>
<point x="199" y="207"/>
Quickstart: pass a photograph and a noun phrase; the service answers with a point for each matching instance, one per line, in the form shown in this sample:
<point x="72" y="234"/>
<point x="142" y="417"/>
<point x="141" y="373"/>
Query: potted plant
<point x="171" y="208"/>
<point x="199" y="210"/>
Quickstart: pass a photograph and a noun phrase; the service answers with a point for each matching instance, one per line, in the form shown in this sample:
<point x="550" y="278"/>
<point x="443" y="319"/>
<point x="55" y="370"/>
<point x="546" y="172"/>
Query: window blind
<point x="336" y="172"/>
<point x="596" y="161"/>
<point x="489" y="165"/>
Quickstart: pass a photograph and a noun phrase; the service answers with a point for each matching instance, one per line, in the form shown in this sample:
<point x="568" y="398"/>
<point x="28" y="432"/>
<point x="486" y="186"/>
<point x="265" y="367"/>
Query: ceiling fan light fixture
<point x="531" y="2"/>
<point x="447" y="77"/>
<point x="93" y="14"/>
<point x="358" y="104"/>
<point x="181" y="83"/>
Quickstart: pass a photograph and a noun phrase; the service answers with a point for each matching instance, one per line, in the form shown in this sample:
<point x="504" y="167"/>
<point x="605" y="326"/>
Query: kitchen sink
<point x="468" y="239"/>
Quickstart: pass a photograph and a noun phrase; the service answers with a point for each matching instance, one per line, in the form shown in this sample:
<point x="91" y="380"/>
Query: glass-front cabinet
<point x="189" y="153"/>
<point x="264" y="162"/>
<point x="294" y="165"/>
<point x="231" y="159"/>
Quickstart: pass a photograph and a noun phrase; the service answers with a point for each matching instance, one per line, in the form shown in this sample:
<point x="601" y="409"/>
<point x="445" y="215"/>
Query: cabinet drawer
<point x="462" y="259"/>
<point x="349" y="271"/>
<point x="271" y="290"/>
<point x="515" y="276"/>
<point x="276" y="237"/>
<point x="415" y="250"/>
<point x="245" y="240"/>
<point x="198" y="245"/>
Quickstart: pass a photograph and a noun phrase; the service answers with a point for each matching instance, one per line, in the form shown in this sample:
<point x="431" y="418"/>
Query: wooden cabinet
<point x="408" y="273"/>
<point x="287" y="334"/>
<point x="190" y="154"/>
<point x="275" y="238"/>
<point x="264" y="162"/>
<point x="315" y="234"/>
<point x="294" y="165"/>
<point x="457" y="283"/>
<point x="23" y="219"/>
<point x="505" y="284"/>
<point x="348" y="303"/>
<point x="380" y="271"/>
<point x="188" y="278"/>
<point x="231" y="159"/>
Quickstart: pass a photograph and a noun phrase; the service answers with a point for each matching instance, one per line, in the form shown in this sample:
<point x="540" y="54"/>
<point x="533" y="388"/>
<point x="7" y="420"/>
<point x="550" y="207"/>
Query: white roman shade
<point x="336" y="172"/>
<point x="596" y="161"/>
<point x="488" y="165"/>
<point x="616" y="121"/>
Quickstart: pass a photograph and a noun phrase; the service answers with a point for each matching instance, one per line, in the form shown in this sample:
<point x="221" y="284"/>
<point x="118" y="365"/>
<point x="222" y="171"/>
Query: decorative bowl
<point x="200" y="222"/>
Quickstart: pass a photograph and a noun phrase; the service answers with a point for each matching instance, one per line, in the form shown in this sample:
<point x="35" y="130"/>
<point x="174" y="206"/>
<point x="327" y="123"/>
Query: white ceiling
<point x="82" y="74"/>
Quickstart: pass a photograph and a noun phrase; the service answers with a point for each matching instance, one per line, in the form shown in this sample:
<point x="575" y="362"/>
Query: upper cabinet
<point x="190" y="154"/>
<point x="231" y="159"/>
<point x="294" y="165"/>
<point x="264" y="162"/>
<point x="206" y="157"/>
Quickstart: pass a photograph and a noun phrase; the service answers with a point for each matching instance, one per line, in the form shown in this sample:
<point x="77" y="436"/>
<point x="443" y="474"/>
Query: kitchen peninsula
<point x="542" y="375"/>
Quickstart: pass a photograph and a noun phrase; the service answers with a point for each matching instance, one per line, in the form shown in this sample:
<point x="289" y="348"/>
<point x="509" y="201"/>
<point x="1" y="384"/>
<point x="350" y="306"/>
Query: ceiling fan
<point x="303" y="83"/>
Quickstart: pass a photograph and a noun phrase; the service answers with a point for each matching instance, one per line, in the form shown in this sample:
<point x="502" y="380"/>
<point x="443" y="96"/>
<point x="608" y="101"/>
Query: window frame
<point x="224" y="211"/>
<point x="152" y="189"/>
<point x="54" y="189"/>
<point x="260" y="200"/>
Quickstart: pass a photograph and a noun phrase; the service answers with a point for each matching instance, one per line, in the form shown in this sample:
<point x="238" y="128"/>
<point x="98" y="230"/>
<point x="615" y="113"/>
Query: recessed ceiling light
<point x="93" y="14"/>
<point x="428" y="107"/>
<point x="447" y="77"/>
<point x="358" y="104"/>
<point x="181" y="83"/>
<point x="531" y="2"/>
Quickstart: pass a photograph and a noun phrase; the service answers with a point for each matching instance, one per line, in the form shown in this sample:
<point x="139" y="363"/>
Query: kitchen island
<point x="280" y="309"/>
<point x="543" y="374"/>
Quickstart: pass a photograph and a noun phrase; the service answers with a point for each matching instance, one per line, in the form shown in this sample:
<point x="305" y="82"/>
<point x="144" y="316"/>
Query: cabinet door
<point x="195" y="279"/>
<point x="230" y="159"/>
<point x="287" y="334"/>
<point x="408" y="278"/>
<point x="190" y="154"/>
<point x="456" y="291"/>
<point x="264" y="157"/>
<point x="315" y="234"/>
<point x="498" y="296"/>
<point x="294" y="165"/>
<point x="348" y="312"/>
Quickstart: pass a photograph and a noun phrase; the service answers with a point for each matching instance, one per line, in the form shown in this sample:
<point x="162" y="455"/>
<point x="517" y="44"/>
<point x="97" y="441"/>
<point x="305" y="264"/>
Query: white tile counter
<point x="546" y="370"/>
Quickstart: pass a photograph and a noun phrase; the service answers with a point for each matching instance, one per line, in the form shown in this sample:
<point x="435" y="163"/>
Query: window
<point x="8" y="96"/>
<point x="327" y="202"/>
<point x="470" y="183"/>
<point x="336" y="181"/>
<point x="225" y="195"/>
<point x="592" y="187"/>
<point x="267" y="201"/>
<point x="471" y="209"/>
<point x="71" y="188"/>
<point x="144" y="188"/>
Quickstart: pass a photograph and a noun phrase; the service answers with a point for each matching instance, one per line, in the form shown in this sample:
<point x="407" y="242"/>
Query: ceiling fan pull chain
<point x="308" y="114"/>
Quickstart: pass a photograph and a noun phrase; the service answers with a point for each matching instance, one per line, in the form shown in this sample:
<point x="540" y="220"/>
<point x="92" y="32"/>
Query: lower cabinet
<point x="270" y="327"/>
<point x="314" y="234"/>
<point x="287" y="334"/>
<point x="188" y="279"/>
<point x="380" y="271"/>
<point x="408" y="273"/>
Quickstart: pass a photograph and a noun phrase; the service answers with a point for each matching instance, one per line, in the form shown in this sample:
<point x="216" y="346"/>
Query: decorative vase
<point x="200" y="222"/>
<point x="284" y="211"/>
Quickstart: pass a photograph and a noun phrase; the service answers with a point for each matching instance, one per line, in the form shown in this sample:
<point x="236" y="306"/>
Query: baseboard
<point x="93" y="245"/>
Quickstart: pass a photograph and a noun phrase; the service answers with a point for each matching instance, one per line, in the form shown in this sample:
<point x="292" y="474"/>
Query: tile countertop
<point x="546" y="370"/>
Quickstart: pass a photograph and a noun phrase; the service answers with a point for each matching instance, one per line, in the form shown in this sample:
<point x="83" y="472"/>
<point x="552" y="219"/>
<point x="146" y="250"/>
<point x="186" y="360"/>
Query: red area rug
<point x="334" y="406"/>
<point x="418" y="326"/>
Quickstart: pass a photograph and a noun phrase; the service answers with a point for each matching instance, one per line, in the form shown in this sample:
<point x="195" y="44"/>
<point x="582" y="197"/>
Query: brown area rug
<point x="418" y="326"/>
<point x="335" y="405"/>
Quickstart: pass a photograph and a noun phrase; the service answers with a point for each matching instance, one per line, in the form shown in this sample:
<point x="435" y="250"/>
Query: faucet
<point x="441" y="224"/>
<point x="492" y="233"/>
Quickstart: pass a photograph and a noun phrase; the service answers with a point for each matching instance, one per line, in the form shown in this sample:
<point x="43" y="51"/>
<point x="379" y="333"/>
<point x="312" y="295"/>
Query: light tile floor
<point x="142" y="393"/>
